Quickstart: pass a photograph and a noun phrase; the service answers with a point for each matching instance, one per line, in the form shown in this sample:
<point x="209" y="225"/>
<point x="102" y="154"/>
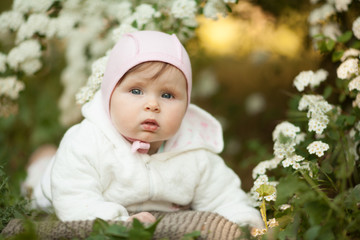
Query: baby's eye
<point x="167" y="95"/>
<point x="136" y="91"/>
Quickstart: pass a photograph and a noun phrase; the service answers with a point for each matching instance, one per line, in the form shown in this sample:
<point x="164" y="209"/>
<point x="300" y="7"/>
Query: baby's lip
<point x="150" y="125"/>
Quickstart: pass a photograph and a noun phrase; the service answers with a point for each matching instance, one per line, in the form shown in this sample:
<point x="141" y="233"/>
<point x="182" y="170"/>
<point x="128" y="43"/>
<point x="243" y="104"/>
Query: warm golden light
<point x="238" y="36"/>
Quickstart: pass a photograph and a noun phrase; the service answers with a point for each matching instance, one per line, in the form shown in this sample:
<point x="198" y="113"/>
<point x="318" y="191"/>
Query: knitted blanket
<point x="172" y="226"/>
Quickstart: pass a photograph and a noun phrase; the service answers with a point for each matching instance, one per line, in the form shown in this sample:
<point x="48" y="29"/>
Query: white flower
<point x="25" y="51"/>
<point x="33" y="6"/>
<point x="300" y="138"/>
<point x="285" y="128"/>
<point x="2" y="62"/>
<point x="183" y="8"/>
<point x="87" y="93"/>
<point x="262" y="179"/>
<point x="351" y="52"/>
<point x="283" y="150"/>
<point x="123" y="29"/>
<point x="302" y="80"/>
<point x="293" y="161"/>
<point x="315" y="103"/>
<point x="321" y="13"/>
<point x="229" y="1"/>
<point x="305" y="78"/>
<point x="317" y="147"/>
<point x="36" y="23"/>
<point x="11" y="87"/>
<point x="261" y="168"/>
<point x="342" y="5"/>
<point x="255" y="232"/>
<point x="355" y="84"/>
<point x="120" y="10"/>
<point x="213" y="8"/>
<point x="143" y="14"/>
<point x="318" y="123"/>
<point x="331" y="30"/>
<point x="255" y="103"/>
<point x="10" y="20"/>
<point x="272" y="223"/>
<point x="320" y="76"/>
<point x="207" y="84"/>
<point x="284" y="207"/>
<point x="348" y="68"/>
<point x="31" y="66"/>
<point x="271" y="197"/>
<point x="356" y="28"/>
<point x="317" y="108"/>
<point x="61" y="26"/>
<point x="356" y="102"/>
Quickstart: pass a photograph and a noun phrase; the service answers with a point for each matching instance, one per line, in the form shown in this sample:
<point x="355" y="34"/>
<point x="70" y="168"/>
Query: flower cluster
<point x="318" y="148"/>
<point x="348" y="68"/>
<point x="271" y="223"/>
<point x="317" y="108"/>
<point x="331" y="123"/>
<point x="311" y="78"/>
<point x="356" y="28"/>
<point x="263" y="181"/>
<point x="321" y="18"/>
<point x="11" y="87"/>
<point x="25" y="57"/>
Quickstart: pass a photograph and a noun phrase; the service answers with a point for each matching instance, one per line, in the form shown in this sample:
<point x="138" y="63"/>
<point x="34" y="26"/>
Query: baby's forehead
<point x="153" y="71"/>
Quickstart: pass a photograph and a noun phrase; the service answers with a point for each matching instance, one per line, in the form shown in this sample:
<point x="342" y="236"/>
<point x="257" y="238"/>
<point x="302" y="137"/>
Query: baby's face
<point x="149" y="110"/>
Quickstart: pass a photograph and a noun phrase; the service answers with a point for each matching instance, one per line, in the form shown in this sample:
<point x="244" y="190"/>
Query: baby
<point x="142" y="146"/>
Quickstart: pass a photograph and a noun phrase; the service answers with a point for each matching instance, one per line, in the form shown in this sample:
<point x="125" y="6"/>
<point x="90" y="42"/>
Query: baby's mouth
<point x="150" y="125"/>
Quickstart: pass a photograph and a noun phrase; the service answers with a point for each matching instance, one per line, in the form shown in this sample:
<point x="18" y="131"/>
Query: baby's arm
<point x="75" y="182"/>
<point x="219" y="191"/>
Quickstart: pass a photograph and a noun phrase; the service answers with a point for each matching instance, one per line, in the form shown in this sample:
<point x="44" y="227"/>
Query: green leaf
<point x="99" y="226"/>
<point x="136" y="234"/>
<point x="312" y="233"/>
<point x="327" y="167"/>
<point x="330" y="44"/>
<point x="117" y="231"/>
<point x="265" y="190"/>
<point x="228" y="8"/>
<point x="345" y="37"/>
<point x="287" y="187"/>
<point x="353" y="197"/>
<point x="355" y="44"/>
<point x="350" y="119"/>
<point x="151" y="229"/>
<point x="191" y="236"/>
<point x="134" y="24"/>
<point x="342" y="97"/>
<point x="327" y="91"/>
<point x="322" y="46"/>
<point x="336" y="56"/>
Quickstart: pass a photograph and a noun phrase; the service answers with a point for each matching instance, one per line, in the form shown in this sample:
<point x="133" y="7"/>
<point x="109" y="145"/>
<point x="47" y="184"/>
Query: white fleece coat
<point x="94" y="174"/>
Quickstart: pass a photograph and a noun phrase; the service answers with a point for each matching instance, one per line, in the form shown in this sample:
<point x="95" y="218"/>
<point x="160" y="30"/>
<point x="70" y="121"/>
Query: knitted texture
<point x="172" y="226"/>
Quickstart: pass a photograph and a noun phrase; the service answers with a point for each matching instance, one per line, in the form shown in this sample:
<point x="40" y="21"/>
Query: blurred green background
<point x="243" y="68"/>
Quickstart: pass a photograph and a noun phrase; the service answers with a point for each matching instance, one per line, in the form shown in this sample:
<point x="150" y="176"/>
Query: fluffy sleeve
<point x="75" y="183"/>
<point x="219" y="191"/>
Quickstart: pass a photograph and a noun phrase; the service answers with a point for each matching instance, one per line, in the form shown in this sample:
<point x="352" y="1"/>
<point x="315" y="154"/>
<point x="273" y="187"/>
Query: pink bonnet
<point x="143" y="46"/>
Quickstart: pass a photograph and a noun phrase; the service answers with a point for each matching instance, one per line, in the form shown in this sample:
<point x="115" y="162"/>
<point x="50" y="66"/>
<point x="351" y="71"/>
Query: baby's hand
<point x="144" y="217"/>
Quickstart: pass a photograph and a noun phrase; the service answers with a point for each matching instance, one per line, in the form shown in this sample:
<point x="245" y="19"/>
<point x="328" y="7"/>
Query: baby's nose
<point x="152" y="106"/>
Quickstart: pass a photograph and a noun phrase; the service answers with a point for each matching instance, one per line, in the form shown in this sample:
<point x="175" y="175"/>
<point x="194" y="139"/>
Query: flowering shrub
<point x="311" y="188"/>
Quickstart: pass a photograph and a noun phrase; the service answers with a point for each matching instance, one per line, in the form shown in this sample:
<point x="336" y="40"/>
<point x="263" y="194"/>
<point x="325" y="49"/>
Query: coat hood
<point x="199" y="130"/>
